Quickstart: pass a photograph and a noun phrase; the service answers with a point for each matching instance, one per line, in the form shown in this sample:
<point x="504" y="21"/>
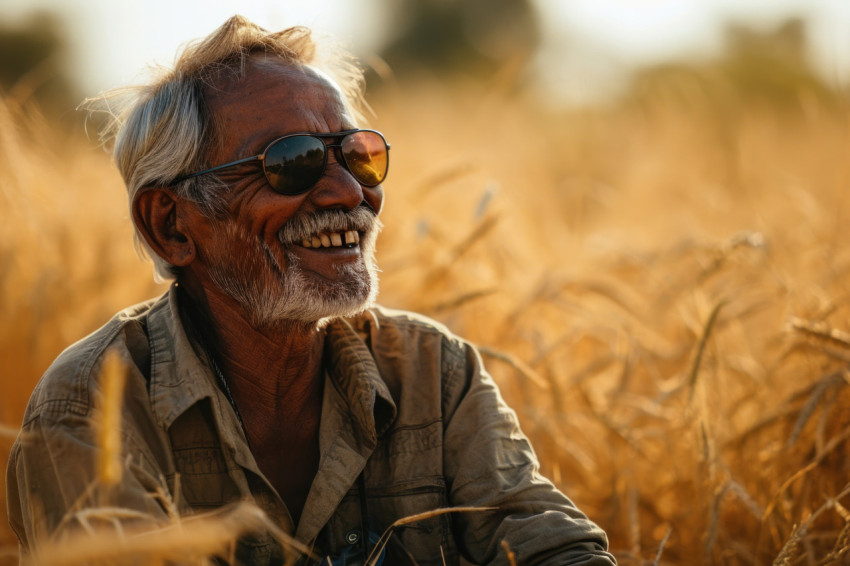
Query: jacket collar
<point x="356" y="410"/>
<point x="352" y="368"/>
<point x="179" y="378"/>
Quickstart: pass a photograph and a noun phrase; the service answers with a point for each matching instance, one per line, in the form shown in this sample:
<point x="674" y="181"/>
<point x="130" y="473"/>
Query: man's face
<point x="256" y="254"/>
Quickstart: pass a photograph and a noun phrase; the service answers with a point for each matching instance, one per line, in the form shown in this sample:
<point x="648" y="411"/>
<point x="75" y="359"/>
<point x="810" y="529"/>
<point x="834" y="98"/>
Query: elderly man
<point x="266" y="373"/>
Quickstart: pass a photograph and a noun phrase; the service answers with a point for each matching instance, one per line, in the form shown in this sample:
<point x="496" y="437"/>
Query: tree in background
<point x="469" y="37"/>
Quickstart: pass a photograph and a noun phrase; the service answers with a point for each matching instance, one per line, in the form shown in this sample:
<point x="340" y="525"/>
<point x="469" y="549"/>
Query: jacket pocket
<point x="425" y="541"/>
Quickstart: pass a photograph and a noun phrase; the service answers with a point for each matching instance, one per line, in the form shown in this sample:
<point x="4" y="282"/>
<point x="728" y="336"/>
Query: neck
<point x="274" y="377"/>
<point x="268" y="369"/>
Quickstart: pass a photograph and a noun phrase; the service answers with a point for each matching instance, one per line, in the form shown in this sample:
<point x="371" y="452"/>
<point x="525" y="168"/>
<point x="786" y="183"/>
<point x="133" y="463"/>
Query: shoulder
<point x="66" y="386"/>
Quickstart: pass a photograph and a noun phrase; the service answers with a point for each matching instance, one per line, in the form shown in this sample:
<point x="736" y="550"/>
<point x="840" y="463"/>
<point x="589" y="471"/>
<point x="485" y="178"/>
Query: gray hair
<point x="163" y="130"/>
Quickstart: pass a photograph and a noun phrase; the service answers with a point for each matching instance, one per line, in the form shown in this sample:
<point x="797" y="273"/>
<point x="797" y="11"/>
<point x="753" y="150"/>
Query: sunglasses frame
<point x="328" y="146"/>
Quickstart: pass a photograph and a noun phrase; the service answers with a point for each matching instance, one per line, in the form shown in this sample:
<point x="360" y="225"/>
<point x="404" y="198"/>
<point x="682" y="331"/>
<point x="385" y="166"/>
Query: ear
<point x="156" y="215"/>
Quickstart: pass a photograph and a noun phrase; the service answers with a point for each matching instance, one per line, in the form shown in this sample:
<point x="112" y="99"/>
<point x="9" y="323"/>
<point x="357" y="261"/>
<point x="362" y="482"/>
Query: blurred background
<point x="571" y="52"/>
<point x="635" y="208"/>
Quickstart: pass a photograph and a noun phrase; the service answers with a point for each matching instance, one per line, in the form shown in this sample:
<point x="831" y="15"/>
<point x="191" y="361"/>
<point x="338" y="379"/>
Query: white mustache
<point x="298" y="228"/>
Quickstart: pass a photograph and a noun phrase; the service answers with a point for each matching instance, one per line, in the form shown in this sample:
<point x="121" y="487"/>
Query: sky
<point x="588" y="44"/>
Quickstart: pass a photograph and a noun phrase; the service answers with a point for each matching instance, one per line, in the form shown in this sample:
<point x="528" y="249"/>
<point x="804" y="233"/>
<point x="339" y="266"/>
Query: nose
<point x="339" y="189"/>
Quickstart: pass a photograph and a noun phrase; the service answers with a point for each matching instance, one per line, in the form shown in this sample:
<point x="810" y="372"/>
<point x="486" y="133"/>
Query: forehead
<point x="272" y="99"/>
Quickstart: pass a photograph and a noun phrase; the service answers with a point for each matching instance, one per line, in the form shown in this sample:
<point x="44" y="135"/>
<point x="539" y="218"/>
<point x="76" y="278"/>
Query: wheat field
<point x="658" y="287"/>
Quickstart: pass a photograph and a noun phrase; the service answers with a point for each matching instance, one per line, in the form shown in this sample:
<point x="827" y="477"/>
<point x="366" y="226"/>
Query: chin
<point x="310" y="301"/>
<point x="270" y="297"/>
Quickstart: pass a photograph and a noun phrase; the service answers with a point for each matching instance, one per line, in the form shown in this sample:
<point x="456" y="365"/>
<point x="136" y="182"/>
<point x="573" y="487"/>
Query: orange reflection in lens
<point x="365" y="154"/>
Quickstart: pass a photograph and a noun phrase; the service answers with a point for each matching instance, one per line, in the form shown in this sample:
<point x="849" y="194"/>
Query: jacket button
<point x="351" y="537"/>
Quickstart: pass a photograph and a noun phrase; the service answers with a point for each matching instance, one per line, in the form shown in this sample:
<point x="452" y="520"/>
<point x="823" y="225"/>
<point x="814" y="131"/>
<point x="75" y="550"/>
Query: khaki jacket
<point x="407" y="405"/>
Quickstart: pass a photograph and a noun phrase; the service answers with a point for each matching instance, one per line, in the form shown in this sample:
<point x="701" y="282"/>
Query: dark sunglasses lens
<point x="365" y="155"/>
<point x="294" y="164"/>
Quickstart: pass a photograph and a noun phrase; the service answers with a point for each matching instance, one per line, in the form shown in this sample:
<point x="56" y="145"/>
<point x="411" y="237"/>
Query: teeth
<point x="335" y="239"/>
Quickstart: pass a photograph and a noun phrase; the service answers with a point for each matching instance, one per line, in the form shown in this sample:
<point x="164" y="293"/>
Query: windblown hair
<point x="163" y="130"/>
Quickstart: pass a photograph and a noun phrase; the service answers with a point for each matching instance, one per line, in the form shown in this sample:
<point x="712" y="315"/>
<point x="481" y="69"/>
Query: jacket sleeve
<point x="490" y="463"/>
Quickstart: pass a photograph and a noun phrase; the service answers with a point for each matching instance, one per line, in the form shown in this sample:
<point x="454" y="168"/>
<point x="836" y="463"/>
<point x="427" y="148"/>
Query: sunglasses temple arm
<point x="219" y="167"/>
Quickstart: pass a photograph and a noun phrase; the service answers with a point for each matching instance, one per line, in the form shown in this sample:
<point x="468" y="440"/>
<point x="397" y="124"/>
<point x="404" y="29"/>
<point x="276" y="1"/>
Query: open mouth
<point x="347" y="239"/>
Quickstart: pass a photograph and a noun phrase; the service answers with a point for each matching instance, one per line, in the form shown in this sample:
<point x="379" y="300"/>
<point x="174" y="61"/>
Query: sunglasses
<point x="295" y="162"/>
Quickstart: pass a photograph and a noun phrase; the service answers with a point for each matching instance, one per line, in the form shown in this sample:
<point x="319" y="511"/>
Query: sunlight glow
<point x="111" y="43"/>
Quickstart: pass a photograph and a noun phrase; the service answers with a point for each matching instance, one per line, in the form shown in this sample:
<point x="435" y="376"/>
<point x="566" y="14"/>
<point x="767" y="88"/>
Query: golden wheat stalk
<point x="524" y="369"/>
<point x="703" y="341"/>
<point x="193" y="539"/>
<point x="798" y="534"/>
<point x="820" y="331"/>
<point x="661" y="546"/>
<point x="789" y="549"/>
<point x="509" y="552"/>
<point x="108" y="421"/>
<point x="456" y="302"/>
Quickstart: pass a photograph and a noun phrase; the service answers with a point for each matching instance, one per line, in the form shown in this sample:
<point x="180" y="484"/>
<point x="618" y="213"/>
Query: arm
<point x="490" y="463"/>
<point x="52" y="483"/>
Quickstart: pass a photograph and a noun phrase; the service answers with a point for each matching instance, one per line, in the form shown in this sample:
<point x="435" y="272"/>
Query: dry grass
<point x="107" y="423"/>
<point x="182" y="541"/>
<point x="658" y="289"/>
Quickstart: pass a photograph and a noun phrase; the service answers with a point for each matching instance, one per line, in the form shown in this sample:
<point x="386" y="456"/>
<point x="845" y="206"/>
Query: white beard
<point x="272" y="294"/>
